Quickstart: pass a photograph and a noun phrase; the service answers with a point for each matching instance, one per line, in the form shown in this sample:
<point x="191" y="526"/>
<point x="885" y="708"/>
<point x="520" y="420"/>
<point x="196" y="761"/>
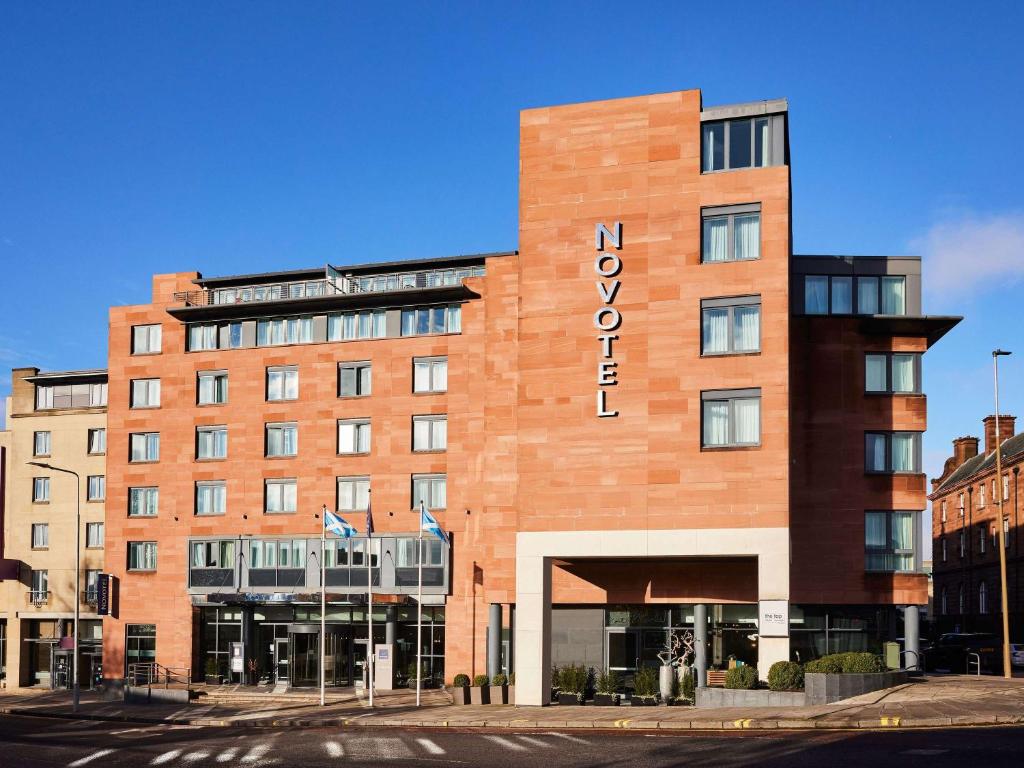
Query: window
<point x="430" y="433"/>
<point x="756" y="142"/>
<point x="1006" y="487"/>
<point x="40" y="489"/>
<point x="731" y="233"/>
<point x="145" y="339"/>
<point x="336" y="554"/>
<point x="140" y="644"/>
<point x="144" y="446"/>
<point x="369" y="324"/>
<point x="145" y="393"/>
<point x="981" y="495"/>
<point x="982" y="537"/>
<point x="40" y="586"/>
<point x="97" y="441"/>
<point x="279" y="495"/>
<point x="894" y="300"/>
<point x="982" y="598"/>
<point x="353" y="379"/>
<point x="430" y="374"/>
<point x="892" y="372"/>
<point x="92" y="578"/>
<point x="212" y="388"/>
<point x="359" y="549"/>
<point x="282" y="439"/>
<point x="353" y="494"/>
<point x="842" y="295"/>
<point x="234" y="335"/>
<point x="824" y="295"/>
<point x="283" y="383"/>
<point x="420" y="321"/>
<point x="963" y="545"/>
<point x="1006" y="533"/>
<point x="354" y="436"/>
<point x="202" y="336"/>
<point x="212" y="554"/>
<point x="942" y="541"/>
<point x="94" y="535"/>
<point x="730" y="325"/>
<point x="71" y="396"/>
<point x="143" y="502"/>
<point x="732" y="417"/>
<point x="141" y="555"/>
<point x="892" y="452"/>
<point x="211" y="497"/>
<point x="889" y="541"/>
<point x="96" y="488"/>
<point x="211" y="442"/>
<point x="960" y="599"/>
<point x="40" y="443"/>
<point x="867" y="295"/>
<point x="431" y="553"/>
<point x="284" y="330"/>
<point x="943" y="508"/>
<point x="815" y="295"/>
<point x="432" y="490"/>
<point x="944" y="607"/>
<point x="961" y="501"/>
<point x="40" y="535"/>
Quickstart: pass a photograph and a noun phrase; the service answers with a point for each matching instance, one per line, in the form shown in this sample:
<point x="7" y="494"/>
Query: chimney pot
<point x="1007" y="425"/>
<point x="964" y="448"/>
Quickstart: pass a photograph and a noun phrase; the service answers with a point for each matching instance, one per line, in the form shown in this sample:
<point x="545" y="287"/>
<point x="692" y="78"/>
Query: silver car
<point x="1017" y="654"/>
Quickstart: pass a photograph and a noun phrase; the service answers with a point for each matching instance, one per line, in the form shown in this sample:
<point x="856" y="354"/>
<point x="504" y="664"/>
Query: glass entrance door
<point x="622" y="650"/>
<point x="304" y="660"/>
<point x="281" y="660"/>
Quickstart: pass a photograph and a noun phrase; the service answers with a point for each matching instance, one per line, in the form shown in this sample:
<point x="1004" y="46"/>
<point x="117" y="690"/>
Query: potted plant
<point x="460" y="689"/>
<point x="607" y="689"/>
<point x="499" y="689"/>
<point x="573" y="684"/>
<point x="212" y="676"/>
<point x="479" y="692"/>
<point x="645" y="688"/>
<point x="685" y="692"/>
<point x="556" y="683"/>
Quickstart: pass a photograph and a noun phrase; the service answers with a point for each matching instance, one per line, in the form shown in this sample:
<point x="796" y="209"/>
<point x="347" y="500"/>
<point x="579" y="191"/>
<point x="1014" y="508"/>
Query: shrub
<point x="848" y="663"/>
<point x="460" y="681"/>
<point x="499" y="679"/>
<point x="556" y="677"/>
<point x="687" y="687"/>
<point x="608" y="682"/>
<point x="481" y="680"/>
<point x="744" y="677"/>
<point x="574" y="678"/>
<point x="645" y="682"/>
<point x="829" y="665"/>
<point x="512" y="679"/>
<point x="411" y="672"/>
<point x="211" y="666"/>
<point x="785" y="676"/>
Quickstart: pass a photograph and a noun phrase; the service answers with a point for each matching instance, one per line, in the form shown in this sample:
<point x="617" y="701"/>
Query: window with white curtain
<point x="280" y="495"/>
<point x="429" y="374"/>
<point x="867" y="295"/>
<point x="211" y="497"/>
<point x="894" y="301"/>
<point x="731" y="418"/>
<point x="144" y="446"/>
<point x="40" y="489"/>
<point x="730" y="325"/>
<point x="211" y="442"/>
<point x="40" y="443"/>
<point x="420" y="321"/>
<point x="143" y="502"/>
<point x="282" y="439"/>
<point x="816" y="295"/>
<point x="748" y="142"/>
<point x="889" y="541"/>
<point x="353" y="494"/>
<point x="367" y="324"/>
<point x="354" y="436"/>
<point x="432" y="490"/>
<point x="430" y="433"/>
<point x="97" y="441"/>
<point x="282" y="383"/>
<point x="145" y="393"/>
<point x="731" y="233"/>
<point x="40" y="535"/>
<point x="354" y="379"/>
<point x="284" y="330"/>
<point x="892" y="372"/>
<point x="892" y="452"/>
<point x="842" y="295"/>
<point x="212" y="387"/>
<point x="141" y="555"/>
<point x="202" y="336"/>
<point x="96" y="489"/>
<point x="145" y="339"/>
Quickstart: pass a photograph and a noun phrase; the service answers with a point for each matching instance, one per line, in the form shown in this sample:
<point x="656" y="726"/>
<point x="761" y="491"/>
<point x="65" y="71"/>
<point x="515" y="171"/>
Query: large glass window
<point x="732" y="418"/>
<point x="70" y="396"/>
<point x="835" y="295"/>
<point x="144" y="446"/>
<point x="732" y="233"/>
<point x="431" y="552"/>
<point x="892" y="372"/>
<point x="212" y="554"/>
<point x="430" y="433"/>
<point x="894" y="300"/>
<point x="755" y="142"/>
<point x="143" y="502"/>
<point x="730" y="325"/>
<point x="889" y="541"/>
<point x="202" y="336"/>
<point x="211" y="497"/>
<point x="141" y="555"/>
<point x="892" y="452"/>
<point x="211" y="442"/>
<point x="432" y="490"/>
<point x="368" y="324"/>
<point x="283" y="383"/>
<point x="212" y="387"/>
<point x="354" y="379"/>
<point x="145" y="339"/>
<point x="282" y="439"/>
<point x="284" y="330"/>
<point x="419" y="321"/>
<point x="140" y="644"/>
<point x="430" y="374"/>
<point x="353" y="494"/>
<point x="280" y="495"/>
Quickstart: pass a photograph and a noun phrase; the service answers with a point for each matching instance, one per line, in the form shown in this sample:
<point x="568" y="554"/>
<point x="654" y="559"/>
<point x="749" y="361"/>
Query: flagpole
<point x="419" y="607"/>
<point x="369" y="601"/>
<point x="323" y="605"/>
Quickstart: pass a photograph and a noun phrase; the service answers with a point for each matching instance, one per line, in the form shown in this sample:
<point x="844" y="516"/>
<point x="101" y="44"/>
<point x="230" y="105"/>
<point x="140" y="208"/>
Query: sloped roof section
<point x="1012" y="448"/>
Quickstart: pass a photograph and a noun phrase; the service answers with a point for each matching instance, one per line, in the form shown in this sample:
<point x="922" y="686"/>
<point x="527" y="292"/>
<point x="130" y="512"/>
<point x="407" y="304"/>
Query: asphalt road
<point x="50" y="743"/>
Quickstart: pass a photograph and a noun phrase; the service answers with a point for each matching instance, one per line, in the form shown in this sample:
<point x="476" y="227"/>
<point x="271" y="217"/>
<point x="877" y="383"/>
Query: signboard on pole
<point x="103" y="593"/>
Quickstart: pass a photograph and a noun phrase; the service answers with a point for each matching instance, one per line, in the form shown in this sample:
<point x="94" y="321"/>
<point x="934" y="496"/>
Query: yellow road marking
<point x="890" y="722"/>
<point x="745" y="723"/>
<point x="621" y="723"/>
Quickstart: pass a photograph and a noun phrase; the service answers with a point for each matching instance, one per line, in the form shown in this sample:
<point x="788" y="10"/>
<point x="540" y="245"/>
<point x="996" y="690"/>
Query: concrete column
<point x="533" y="630"/>
<point x="511" y="660"/>
<point x="912" y="636"/>
<point x="494" y="640"/>
<point x="391" y="627"/>
<point x="700" y="644"/>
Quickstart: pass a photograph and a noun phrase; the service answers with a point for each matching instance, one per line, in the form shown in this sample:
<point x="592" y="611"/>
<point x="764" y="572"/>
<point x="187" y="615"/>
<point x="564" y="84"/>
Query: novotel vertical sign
<point x="607" y="319"/>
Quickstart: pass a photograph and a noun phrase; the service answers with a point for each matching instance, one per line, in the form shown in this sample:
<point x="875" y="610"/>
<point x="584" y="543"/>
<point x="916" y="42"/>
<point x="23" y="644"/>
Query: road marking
<point x="166" y="757"/>
<point x="383" y="748"/>
<point x="503" y="742"/>
<point x="334" y="749"/>
<point x="256" y="753"/>
<point x="567" y="737"/>
<point x="227" y="755"/>
<point x="890" y="722"/>
<point x="90" y="758"/>
<point x="745" y="723"/>
<point x="534" y="742"/>
<point x="430" y="746"/>
<point x="195" y="757"/>
<point x="622" y="723"/>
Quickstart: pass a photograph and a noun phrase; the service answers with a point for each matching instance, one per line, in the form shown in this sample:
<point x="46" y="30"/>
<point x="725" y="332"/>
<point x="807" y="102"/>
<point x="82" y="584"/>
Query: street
<point x="55" y="743"/>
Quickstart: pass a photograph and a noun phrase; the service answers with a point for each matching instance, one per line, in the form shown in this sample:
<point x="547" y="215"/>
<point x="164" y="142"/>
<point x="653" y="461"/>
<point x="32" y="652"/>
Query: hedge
<point x="847" y="663"/>
<point x="785" y="676"/>
<point x="744" y="677"/>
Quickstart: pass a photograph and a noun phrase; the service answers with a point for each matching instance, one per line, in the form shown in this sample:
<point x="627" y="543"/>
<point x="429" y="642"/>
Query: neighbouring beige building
<point x="57" y="419"/>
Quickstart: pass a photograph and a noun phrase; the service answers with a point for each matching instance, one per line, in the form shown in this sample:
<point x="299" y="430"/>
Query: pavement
<point x="934" y="701"/>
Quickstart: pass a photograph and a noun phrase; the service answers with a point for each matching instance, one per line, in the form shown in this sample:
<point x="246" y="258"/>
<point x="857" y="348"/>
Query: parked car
<point x="1017" y="654"/>
<point x="952" y="653"/>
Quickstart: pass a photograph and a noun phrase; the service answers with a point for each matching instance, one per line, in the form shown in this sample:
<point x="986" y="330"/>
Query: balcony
<point x="90" y="597"/>
<point x="38" y="597"/>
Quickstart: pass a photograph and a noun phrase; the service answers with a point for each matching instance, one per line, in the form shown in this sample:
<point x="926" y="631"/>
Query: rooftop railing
<point x="333" y="285"/>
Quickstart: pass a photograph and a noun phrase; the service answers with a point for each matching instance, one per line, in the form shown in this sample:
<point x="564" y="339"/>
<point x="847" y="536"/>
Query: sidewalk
<point x="936" y="701"/>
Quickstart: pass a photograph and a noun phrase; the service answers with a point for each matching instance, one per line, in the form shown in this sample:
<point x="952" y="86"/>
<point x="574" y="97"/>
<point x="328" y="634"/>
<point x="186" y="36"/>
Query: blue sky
<point x="241" y="137"/>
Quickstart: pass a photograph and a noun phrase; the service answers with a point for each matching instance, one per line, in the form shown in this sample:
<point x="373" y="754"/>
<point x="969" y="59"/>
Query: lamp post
<point x="78" y="570"/>
<point x="1004" y="602"/>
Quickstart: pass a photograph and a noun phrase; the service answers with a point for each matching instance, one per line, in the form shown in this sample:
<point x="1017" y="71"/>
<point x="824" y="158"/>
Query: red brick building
<point x="652" y="415"/>
<point x="965" y="534"/>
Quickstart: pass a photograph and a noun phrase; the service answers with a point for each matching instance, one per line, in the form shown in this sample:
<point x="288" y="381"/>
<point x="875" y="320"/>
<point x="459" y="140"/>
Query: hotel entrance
<point x="304" y="655"/>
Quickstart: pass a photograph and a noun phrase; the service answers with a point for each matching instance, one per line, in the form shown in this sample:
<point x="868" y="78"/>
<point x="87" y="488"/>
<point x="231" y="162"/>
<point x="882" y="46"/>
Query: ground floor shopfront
<point x="38" y="652"/>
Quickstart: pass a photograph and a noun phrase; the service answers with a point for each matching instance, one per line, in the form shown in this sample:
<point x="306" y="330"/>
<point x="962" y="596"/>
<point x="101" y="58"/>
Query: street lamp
<point x="78" y="571"/>
<point x="1007" y="670"/>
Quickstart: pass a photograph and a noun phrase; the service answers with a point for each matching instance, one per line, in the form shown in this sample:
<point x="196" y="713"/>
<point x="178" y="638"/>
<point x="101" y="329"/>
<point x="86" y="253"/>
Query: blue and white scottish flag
<point x="337" y="525"/>
<point x="429" y="525"/>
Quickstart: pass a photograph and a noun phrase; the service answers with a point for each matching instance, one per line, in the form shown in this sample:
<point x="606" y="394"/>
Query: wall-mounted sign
<point x="104" y="590"/>
<point x="773" y="618"/>
<point x="607" y="318"/>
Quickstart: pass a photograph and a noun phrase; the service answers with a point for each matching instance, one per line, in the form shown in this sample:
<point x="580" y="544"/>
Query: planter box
<point x="461" y="694"/>
<point x="645" y="701"/>
<point x="569" y="699"/>
<point x="824" y="688"/>
<point x="511" y="694"/>
<point x="498" y="694"/>
<point x="606" y="700"/>
<point x="739" y="697"/>
<point x="480" y="694"/>
<point x="214" y="680"/>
